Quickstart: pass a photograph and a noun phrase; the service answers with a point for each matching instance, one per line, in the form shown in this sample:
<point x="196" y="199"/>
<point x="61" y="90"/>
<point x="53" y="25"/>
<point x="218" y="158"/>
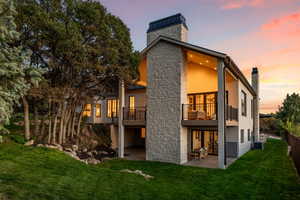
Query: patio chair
<point x="195" y="154"/>
<point x="192" y="115"/>
<point x="203" y="153"/>
<point x="201" y="115"/>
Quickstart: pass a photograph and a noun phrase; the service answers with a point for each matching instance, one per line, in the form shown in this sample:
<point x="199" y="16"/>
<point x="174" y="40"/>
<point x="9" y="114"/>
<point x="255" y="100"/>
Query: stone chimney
<point x="174" y="27"/>
<point x="255" y="85"/>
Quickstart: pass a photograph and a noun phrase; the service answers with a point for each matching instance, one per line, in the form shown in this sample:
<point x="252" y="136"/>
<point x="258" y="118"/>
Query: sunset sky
<point x="262" y="33"/>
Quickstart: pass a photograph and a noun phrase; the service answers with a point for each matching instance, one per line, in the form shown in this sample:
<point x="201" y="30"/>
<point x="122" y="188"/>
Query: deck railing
<point x="135" y="114"/>
<point x="207" y="111"/>
<point x="231" y="113"/>
<point x="203" y="111"/>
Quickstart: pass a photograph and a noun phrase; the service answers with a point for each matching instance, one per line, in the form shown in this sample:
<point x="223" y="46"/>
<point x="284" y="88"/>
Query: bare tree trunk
<point x="50" y="123"/>
<point x="54" y="125"/>
<point x="42" y="129"/>
<point x="73" y="125"/>
<point x="62" y="118"/>
<point x="70" y="122"/>
<point x="79" y="121"/>
<point x="26" y="118"/>
<point x="36" y="119"/>
<point x="66" y="124"/>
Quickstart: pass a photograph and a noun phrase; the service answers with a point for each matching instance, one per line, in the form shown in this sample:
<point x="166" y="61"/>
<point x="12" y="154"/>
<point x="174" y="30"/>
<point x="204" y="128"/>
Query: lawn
<point x="40" y="173"/>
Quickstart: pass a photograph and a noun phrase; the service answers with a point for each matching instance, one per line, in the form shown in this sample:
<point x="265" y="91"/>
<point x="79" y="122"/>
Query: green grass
<point x="40" y="173"/>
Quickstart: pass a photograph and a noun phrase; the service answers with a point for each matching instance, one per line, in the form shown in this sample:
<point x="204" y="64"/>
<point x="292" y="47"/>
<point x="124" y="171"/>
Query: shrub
<point x="104" y="133"/>
<point x="17" y="138"/>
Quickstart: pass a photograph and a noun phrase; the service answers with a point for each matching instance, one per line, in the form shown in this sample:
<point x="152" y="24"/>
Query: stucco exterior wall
<point x="140" y="97"/>
<point x="165" y="92"/>
<point x="178" y="32"/>
<point x="231" y="85"/>
<point x="201" y="79"/>
<point x="245" y="122"/>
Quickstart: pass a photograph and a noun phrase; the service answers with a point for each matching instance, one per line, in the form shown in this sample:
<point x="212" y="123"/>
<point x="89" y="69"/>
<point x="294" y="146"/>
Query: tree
<point x="83" y="49"/>
<point x="13" y="64"/>
<point x="290" y="109"/>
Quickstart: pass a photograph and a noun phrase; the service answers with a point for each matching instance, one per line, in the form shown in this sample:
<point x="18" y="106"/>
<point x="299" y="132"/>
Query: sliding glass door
<point x="204" y="139"/>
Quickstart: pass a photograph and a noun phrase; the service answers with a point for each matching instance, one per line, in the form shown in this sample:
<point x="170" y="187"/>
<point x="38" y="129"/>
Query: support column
<point x="221" y="116"/>
<point x="120" y="119"/>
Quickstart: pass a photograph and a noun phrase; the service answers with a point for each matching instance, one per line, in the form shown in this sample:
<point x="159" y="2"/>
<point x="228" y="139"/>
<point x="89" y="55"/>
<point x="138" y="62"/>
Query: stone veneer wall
<point x="166" y="138"/>
<point x="178" y="32"/>
<point x="255" y="85"/>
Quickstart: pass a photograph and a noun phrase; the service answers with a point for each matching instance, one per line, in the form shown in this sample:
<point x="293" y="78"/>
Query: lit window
<point x="131" y="102"/>
<point x="143" y="133"/>
<point x="98" y="110"/>
<point x="87" y="110"/>
<point x="112" y="108"/>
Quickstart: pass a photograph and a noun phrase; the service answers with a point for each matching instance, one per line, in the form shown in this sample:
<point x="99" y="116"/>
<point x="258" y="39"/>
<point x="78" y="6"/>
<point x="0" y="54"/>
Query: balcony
<point x="232" y="115"/>
<point x="134" y="116"/>
<point x="206" y="115"/>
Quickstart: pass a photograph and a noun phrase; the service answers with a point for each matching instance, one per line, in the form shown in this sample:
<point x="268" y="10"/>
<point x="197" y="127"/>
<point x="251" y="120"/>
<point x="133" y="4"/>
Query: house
<point x="187" y="98"/>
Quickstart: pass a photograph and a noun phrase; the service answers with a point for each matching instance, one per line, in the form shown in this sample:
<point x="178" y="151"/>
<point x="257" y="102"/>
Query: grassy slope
<point x="39" y="173"/>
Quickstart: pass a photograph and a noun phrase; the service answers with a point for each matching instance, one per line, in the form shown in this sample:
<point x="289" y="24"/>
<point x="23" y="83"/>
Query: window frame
<point x="98" y="114"/>
<point x="131" y="104"/>
<point x="87" y="112"/>
<point x="244" y="103"/>
<point x="249" y="135"/>
<point x="112" y="108"/>
<point x="252" y="109"/>
<point x="242" y="134"/>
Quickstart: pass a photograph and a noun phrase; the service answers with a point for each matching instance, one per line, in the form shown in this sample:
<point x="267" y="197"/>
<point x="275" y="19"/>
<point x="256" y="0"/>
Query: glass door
<point x="213" y="142"/>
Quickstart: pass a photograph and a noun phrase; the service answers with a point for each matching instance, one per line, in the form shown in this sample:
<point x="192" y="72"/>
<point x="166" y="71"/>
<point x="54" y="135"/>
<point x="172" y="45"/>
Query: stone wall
<point x="166" y="138"/>
<point x="255" y="85"/>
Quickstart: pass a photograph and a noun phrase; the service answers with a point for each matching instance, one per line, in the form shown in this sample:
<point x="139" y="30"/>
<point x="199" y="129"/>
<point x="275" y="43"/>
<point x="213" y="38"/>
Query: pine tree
<point x="13" y="64"/>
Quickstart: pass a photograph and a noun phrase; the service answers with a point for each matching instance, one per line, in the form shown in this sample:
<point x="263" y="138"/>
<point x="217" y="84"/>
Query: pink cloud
<point x="236" y="4"/>
<point x="285" y="28"/>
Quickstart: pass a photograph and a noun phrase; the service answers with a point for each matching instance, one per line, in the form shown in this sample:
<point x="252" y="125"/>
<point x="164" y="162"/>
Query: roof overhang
<point x="229" y="63"/>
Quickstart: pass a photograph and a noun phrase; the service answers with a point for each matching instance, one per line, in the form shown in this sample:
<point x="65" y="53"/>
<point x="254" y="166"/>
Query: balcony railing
<point x="231" y="113"/>
<point x="203" y="111"/>
<point x="207" y="111"/>
<point x="135" y="114"/>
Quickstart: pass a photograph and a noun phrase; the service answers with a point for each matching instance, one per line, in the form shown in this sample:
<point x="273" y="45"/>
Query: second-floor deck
<point x="206" y="114"/>
<point x="134" y="116"/>
<point x="192" y="115"/>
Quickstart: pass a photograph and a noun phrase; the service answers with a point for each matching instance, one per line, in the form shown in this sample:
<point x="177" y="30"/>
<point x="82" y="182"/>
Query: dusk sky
<point x="262" y="33"/>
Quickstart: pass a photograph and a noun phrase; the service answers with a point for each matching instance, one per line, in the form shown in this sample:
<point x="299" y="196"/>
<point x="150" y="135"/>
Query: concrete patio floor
<point x="138" y="153"/>
<point x="209" y="162"/>
<point x="135" y="153"/>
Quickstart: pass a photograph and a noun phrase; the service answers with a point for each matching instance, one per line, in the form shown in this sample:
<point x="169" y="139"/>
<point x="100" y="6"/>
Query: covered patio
<point x="135" y="153"/>
<point x="209" y="161"/>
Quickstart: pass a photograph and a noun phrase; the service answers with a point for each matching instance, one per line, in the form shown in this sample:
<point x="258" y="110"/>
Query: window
<point x="242" y="135"/>
<point x="98" y="110"/>
<point x="143" y="133"/>
<point x="87" y="110"/>
<point x="131" y="102"/>
<point x="252" y="107"/>
<point x="227" y="97"/>
<point x="244" y="103"/>
<point x="112" y="108"/>
<point x="249" y="135"/>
